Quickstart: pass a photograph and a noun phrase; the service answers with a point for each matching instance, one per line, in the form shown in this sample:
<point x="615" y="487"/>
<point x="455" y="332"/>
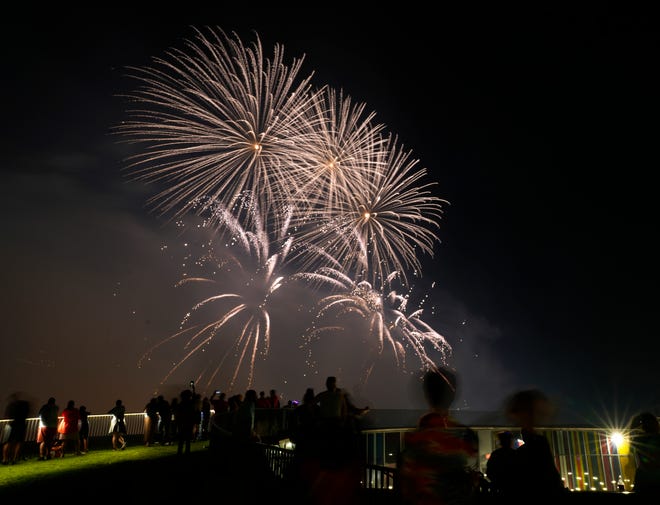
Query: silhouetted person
<point x="164" y="420"/>
<point x="438" y="462"/>
<point x="150" y="421"/>
<point x="338" y="477"/>
<point x="248" y="460"/>
<point x="68" y="428"/>
<point x="352" y="426"/>
<point x="206" y="418"/>
<point x="83" y="433"/>
<point x="197" y="403"/>
<point x="185" y="418"/>
<point x="646" y="450"/>
<point x="221" y="429"/>
<point x="274" y="399"/>
<point x="219" y="404"/>
<point x="332" y="414"/>
<point x="174" y="406"/>
<point x="304" y="423"/>
<point x="262" y="401"/>
<point x="243" y="463"/>
<point x="18" y="411"/>
<point x="304" y="434"/>
<point x="536" y="471"/>
<point x="501" y="467"/>
<point x="48" y="419"/>
<point x="244" y="421"/>
<point x="118" y="425"/>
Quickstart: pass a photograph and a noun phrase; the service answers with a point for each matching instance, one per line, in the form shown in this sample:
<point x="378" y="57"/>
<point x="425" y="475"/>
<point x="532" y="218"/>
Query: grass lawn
<point x="137" y="474"/>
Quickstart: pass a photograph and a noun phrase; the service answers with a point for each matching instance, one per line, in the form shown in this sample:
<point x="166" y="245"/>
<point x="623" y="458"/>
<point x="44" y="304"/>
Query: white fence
<point x="99" y="426"/>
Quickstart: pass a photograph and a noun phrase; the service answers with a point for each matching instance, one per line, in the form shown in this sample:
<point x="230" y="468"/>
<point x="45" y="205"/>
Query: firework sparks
<point x="249" y="263"/>
<point x="388" y="324"/>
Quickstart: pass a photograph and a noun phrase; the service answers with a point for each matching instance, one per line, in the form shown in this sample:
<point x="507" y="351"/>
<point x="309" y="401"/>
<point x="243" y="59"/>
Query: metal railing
<point x="279" y="461"/>
<point x="99" y="426"/>
<point x="268" y="422"/>
<point x="378" y="477"/>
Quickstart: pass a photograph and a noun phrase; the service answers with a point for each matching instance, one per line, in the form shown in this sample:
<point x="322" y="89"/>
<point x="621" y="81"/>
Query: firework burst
<point x="216" y="121"/>
<point x="240" y="318"/>
<point x="338" y="146"/>
<point x="385" y="221"/>
<point x="283" y="174"/>
<point x="389" y="327"/>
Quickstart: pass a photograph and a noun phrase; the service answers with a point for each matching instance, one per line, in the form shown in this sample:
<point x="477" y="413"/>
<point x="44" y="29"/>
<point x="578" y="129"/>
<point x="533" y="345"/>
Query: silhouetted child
<point x="83" y="433"/>
<point x="501" y="467"/>
<point x="536" y="471"/>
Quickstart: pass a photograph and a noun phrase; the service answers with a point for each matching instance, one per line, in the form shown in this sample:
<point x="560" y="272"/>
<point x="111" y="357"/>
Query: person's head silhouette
<point x="439" y="388"/>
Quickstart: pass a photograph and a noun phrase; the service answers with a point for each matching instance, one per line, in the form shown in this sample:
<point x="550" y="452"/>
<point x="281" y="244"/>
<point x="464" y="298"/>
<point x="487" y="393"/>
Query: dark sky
<point x="540" y="128"/>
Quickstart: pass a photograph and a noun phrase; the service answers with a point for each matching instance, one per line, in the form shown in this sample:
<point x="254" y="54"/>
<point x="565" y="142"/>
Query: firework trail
<point x="250" y="263"/>
<point x="218" y="120"/>
<point x="389" y="327"/>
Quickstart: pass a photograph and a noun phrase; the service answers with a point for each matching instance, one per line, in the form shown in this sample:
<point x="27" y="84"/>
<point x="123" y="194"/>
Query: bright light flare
<point x="617" y="439"/>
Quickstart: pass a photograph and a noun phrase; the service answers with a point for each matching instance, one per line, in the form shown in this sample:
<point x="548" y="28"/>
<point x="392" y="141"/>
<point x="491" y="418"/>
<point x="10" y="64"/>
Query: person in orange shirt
<point x="438" y="463"/>
<point x="68" y="427"/>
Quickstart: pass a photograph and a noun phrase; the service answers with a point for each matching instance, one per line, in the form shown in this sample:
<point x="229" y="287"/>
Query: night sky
<point x="539" y="127"/>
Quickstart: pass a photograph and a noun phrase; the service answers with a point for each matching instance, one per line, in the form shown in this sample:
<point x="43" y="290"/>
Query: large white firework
<point x="217" y="120"/>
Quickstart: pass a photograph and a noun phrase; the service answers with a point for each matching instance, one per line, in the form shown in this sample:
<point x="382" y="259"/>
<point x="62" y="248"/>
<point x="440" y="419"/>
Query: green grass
<point x="93" y="470"/>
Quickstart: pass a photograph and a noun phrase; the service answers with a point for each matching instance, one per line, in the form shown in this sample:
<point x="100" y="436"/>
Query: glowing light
<point x="617" y="438"/>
